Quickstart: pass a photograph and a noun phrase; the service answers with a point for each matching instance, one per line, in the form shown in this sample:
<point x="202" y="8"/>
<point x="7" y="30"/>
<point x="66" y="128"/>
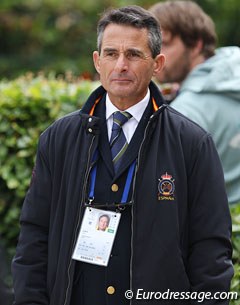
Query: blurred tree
<point x="59" y="35"/>
<point x="226" y="17"/>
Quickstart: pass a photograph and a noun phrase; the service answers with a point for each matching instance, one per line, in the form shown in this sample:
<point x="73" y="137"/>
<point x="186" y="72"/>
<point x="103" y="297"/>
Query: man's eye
<point x="110" y="54"/>
<point x="133" y="55"/>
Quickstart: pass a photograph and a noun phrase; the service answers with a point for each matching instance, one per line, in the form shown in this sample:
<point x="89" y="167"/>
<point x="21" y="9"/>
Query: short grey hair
<point x="136" y="17"/>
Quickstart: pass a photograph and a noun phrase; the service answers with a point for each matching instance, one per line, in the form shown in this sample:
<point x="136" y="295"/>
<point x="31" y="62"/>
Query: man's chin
<point x="122" y="89"/>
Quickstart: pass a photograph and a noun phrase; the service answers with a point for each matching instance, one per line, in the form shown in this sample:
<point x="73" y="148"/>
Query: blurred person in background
<point x="209" y="80"/>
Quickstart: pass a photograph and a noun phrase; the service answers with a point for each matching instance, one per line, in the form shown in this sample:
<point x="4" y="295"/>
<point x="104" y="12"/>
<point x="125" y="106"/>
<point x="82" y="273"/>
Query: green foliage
<point x="235" y="212"/>
<point x="27" y="106"/>
<point x="57" y="35"/>
<point x="226" y="18"/>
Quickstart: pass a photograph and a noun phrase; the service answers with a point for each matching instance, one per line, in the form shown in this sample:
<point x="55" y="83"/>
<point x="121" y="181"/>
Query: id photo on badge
<point x="103" y="222"/>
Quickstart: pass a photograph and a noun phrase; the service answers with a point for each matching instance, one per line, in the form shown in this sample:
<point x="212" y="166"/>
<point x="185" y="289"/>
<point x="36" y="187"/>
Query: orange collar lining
<point x="155" y="106"/>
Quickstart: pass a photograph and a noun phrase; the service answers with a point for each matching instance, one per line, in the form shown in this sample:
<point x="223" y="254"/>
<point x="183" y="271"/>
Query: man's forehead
<point x="123" y="31"/>
<point x="116" y="36"/>
<point x="116" y="48"/>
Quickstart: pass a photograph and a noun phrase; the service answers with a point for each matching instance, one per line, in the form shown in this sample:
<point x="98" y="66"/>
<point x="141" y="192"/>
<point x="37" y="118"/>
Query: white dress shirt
<point x="130" y="126"/>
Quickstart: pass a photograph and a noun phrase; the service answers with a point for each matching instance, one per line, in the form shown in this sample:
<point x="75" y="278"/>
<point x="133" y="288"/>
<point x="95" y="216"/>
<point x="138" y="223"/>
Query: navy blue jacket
<point x="175" y="235"/>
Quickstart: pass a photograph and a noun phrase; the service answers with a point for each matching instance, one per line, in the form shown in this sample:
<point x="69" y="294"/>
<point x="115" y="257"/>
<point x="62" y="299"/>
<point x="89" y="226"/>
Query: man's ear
<point x="96" y="60"/>
<point x="197" y="49"/>
<point x="196" y="54"/>
<point x="159" y="63"/>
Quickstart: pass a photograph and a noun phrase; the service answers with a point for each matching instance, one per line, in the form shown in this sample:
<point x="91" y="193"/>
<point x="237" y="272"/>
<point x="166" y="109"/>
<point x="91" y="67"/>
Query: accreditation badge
<point x="96" y="236"/>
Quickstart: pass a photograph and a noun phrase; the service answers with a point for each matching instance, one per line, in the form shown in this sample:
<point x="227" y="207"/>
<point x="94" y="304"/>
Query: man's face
<point x="103" y="223"/>
<point x="178" y="59"/>
<point x="125" y="64"/>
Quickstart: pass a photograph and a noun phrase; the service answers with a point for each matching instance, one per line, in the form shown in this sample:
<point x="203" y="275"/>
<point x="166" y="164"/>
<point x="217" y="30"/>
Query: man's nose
<point x="121" y="63"/>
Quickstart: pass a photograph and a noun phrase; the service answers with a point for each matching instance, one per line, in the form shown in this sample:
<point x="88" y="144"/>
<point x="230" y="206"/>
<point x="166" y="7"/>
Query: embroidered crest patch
<point x="166" y="187"/>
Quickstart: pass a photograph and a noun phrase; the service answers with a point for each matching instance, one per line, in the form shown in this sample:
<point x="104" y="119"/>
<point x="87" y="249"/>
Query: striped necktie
<point x="118" y="142"/>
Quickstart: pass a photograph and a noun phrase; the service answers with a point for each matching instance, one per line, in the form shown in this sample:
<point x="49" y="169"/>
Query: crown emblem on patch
<point x="166" y="187"/>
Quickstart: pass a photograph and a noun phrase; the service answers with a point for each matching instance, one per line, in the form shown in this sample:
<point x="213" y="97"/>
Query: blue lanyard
<point x="127" y="183"/>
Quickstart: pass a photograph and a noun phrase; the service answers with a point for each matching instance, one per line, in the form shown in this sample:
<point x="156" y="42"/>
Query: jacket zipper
<point x="160" y="109"/>
<point x="88" y="169"/>
<point x="134" y="184"/>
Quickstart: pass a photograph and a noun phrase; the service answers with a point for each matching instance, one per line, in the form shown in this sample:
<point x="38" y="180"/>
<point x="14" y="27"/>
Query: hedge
<point x="27" y="106"/>
<point x="235" y="285"/>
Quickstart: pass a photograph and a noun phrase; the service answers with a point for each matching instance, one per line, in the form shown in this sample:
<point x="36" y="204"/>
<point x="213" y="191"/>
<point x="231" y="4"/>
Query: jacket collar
<point x="93" y="119"/>
<point x="97" y="95"/>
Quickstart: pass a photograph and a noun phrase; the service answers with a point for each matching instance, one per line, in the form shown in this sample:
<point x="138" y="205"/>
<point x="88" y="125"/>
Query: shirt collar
<point x="136" y="110"/>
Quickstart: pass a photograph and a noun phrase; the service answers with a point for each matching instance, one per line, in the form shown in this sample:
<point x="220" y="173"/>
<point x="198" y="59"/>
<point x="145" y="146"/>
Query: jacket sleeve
<point x="209" y="264"/>
<point x="29" y="266"/>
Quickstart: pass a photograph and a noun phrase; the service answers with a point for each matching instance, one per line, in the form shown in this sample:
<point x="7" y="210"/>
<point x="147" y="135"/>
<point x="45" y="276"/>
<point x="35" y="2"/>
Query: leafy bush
<point x="235" y="212"/>
<point x="27" y="106"/>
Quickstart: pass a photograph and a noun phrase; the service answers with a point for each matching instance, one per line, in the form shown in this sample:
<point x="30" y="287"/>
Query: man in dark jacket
<point x="155" y="174"/>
